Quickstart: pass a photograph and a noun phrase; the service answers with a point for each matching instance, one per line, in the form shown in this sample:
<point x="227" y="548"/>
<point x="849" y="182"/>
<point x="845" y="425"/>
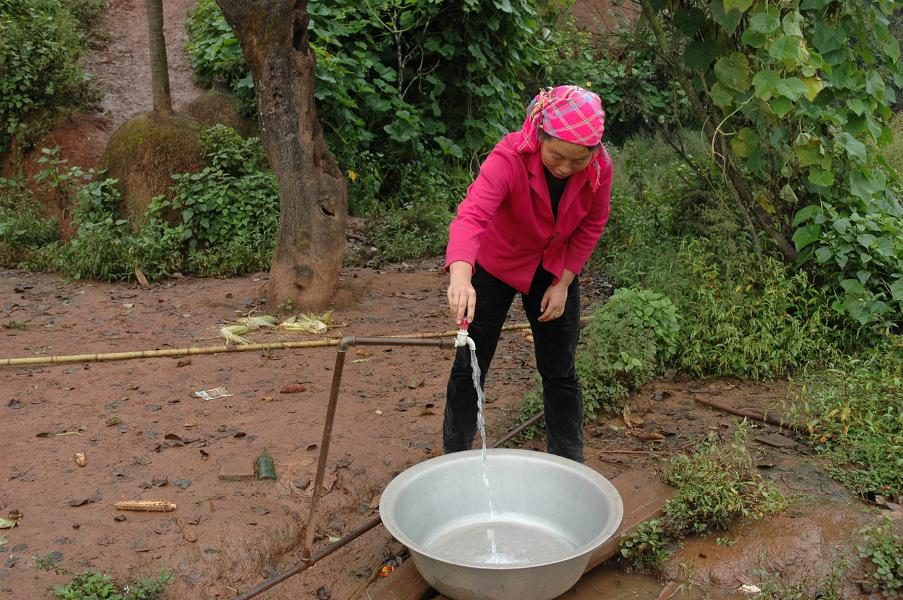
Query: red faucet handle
<point x="464" y="325"/>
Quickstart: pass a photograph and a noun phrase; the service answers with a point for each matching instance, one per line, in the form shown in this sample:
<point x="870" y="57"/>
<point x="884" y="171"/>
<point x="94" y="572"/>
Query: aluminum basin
<point x="549" y="514"/>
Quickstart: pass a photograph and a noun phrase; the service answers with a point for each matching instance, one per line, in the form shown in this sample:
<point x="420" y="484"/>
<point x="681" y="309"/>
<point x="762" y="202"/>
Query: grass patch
<point x="94" y="585"/>
<point x="854" y="416"/>
<point x="716" y="485"/>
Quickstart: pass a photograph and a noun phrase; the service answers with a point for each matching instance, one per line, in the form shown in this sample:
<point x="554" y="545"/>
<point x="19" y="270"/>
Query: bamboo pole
<point x="193" y="351"/>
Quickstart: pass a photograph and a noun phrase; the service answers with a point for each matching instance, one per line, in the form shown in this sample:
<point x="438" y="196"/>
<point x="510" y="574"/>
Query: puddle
<point x="609" y="583"/>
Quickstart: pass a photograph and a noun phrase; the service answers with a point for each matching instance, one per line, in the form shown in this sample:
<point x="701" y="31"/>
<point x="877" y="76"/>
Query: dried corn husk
<point x="146" y="505"/>
<point x="233" y="333"/>
<point x="258" y="322"/>
<point x="308" y="322"/>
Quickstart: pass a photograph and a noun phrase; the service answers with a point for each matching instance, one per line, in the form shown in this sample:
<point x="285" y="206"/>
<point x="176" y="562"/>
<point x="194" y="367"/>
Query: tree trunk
<point x="313" y="197"/>
<point x="158" y="64"/>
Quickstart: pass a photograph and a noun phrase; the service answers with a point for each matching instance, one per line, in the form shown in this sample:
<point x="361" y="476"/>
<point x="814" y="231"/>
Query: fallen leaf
<point x="646" y="436"/>
<point x="129" y="305"/>
<point x="184" y="363"/>
<point x="7" y="523"/>
<point x="364" y="353"/>
<point x="3" y="540"/>
<point x="425" y="412"/>
<point x="415" y="383"/>
<point x="311" y="447"/>
<point x="361" y="360"/>
<point x="190" y="425"/>
<point x="293" y="388"/>
<point x="141" y="277"/>
<point x="267" y="399"/>
<point x="374" y="503"/>
<point x="379" y="412"/>
<point x="113" y="421"/>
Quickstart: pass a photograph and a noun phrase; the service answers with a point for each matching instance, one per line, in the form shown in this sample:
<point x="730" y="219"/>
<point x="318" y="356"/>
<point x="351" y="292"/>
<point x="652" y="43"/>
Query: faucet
<point x="463" y="339"/>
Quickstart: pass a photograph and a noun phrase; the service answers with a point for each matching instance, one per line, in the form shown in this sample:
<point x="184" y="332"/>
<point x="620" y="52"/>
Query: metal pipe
<point x="344" y="344"/>
<point x="528" y="423"/>
<point x="303" y="566"/>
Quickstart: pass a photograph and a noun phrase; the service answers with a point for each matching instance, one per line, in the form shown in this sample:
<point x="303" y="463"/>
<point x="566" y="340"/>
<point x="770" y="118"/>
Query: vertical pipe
<point x="324" y="449"/>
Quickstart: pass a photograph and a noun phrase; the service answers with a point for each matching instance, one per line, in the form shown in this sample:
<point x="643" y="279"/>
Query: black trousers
<point x="555" y="346"/>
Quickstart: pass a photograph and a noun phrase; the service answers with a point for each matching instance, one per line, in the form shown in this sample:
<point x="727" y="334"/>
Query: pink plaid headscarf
<point x="569" y="113"/>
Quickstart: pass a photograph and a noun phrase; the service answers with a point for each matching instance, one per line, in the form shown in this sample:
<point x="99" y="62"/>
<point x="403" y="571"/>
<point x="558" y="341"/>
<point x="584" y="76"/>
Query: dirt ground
<point x="389" y="418"/>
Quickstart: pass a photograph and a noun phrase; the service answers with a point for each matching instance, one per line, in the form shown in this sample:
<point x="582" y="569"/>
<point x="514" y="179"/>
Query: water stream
<point x="481" y="423"/>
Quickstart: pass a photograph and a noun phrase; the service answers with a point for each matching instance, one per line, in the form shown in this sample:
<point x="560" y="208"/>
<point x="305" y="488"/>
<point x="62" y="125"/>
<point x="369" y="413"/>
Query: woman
<point x="528" y="224"/>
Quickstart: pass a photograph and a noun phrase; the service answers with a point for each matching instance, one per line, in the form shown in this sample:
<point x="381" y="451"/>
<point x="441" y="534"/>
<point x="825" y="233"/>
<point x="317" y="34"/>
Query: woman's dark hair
<point x="543" y="136"/>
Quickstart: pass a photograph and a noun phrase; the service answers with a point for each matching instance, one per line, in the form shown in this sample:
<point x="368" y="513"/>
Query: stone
<point x="237" y="469"/>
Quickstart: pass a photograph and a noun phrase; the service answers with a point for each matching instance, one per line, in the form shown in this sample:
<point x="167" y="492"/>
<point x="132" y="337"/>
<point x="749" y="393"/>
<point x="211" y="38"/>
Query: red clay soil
<point x="170" y="445"/>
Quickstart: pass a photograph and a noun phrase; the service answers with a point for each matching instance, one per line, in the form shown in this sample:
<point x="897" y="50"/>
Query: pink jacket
<point x="506" y="224"/>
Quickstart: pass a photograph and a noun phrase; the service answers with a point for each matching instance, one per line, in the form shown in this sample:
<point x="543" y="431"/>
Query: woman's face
<point x="562" y="158"/>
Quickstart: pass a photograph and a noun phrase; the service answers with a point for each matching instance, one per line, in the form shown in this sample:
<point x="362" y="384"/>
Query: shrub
<point x="100" y="250"/>
<point x="629" y="339"/>
<point x="24" y="229"/>
<point x="754" y="319"/>
<point x="40" y="45"/>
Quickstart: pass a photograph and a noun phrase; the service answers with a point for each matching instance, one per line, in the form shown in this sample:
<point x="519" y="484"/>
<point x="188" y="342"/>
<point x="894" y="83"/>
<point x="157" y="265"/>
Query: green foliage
<point x="854" y="415"/>
<point x="883" y="550"/>
<point x="716" y="485"/>
<point x="100" y="250"/>
<point x="411" y="232"/>
<point x="627" y="72"/>
<point x="742" y="315"/>
<point x="40" y="45"/>
<point x="216" y="55"/>
<point x="646" y="547"/>
<point x="229" y="211"/>
<point x="92" y="585"/>
<point x="893" y="152"/>
<point x="800" y="90"/>
<point x="24" y="228"/>
<point x="221" y="221"/>
<point x="400" y="83"/>
<point x="757" y="320"/>
<point x="865" y="250"/>
<point x="630" y="338"/>
<point x="89" y="585"/>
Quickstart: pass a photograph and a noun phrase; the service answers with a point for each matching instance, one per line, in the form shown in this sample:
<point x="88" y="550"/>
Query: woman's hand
<point x="553" y="301"/>
<point x="462" y="298"/>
